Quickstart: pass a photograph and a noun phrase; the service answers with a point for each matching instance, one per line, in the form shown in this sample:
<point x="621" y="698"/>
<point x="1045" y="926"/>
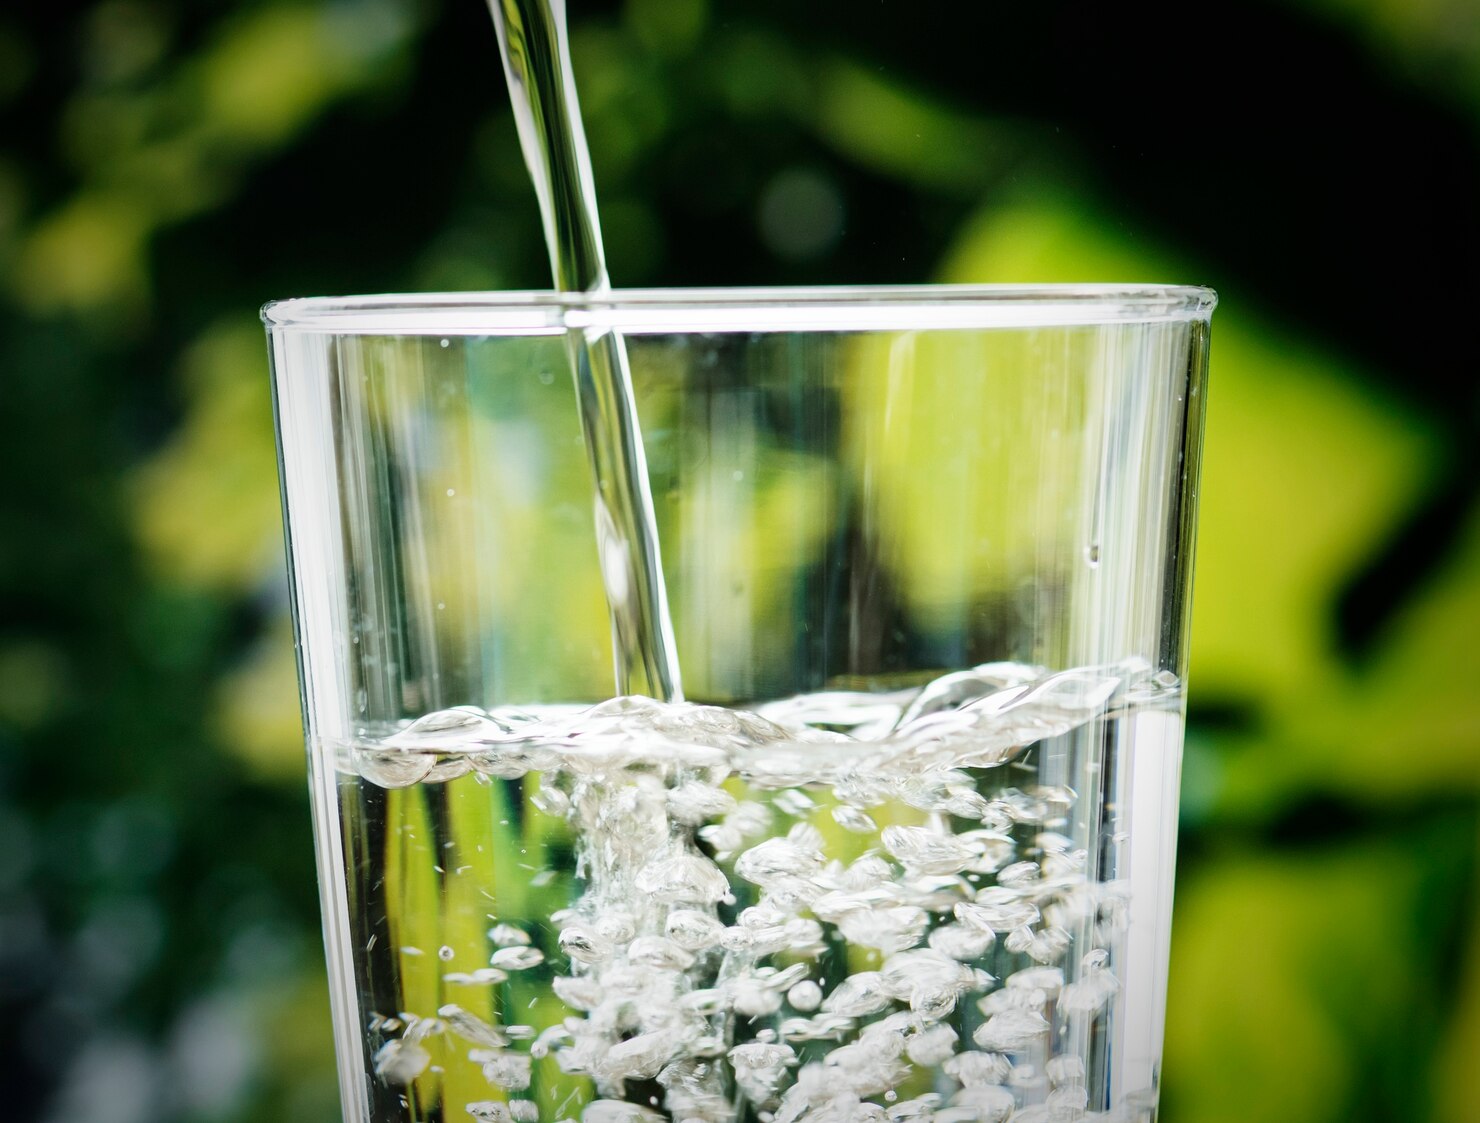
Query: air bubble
<point x="805" y="996"/>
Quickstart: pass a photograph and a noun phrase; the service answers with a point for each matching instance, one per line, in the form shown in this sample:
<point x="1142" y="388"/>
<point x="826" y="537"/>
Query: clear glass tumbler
<point x="905" y="851"/>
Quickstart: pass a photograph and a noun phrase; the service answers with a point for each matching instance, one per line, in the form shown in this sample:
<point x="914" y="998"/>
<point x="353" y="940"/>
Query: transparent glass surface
<point x="906" y="849"/>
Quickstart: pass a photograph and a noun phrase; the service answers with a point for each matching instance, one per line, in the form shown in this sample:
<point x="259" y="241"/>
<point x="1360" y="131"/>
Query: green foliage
<point x="166" y="166"/>
<point x="1327" y="947"/>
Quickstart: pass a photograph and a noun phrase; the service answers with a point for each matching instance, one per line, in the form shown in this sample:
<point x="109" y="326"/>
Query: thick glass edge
<point x="752" y="309"/>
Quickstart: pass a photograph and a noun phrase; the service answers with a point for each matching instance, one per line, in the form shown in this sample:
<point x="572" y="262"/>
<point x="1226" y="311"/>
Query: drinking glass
<point x="904" y="850"/>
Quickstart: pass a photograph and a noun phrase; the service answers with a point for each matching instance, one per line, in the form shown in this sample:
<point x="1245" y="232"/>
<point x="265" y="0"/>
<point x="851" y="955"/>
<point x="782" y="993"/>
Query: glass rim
<point x="680" y="310"/>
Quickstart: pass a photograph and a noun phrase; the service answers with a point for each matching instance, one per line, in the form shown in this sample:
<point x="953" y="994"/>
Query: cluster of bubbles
<point x="718" y="952"/>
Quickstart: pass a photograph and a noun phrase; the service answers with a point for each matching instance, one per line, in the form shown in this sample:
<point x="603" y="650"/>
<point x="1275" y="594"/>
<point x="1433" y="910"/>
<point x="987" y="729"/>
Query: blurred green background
<point x="168" y="165"/>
